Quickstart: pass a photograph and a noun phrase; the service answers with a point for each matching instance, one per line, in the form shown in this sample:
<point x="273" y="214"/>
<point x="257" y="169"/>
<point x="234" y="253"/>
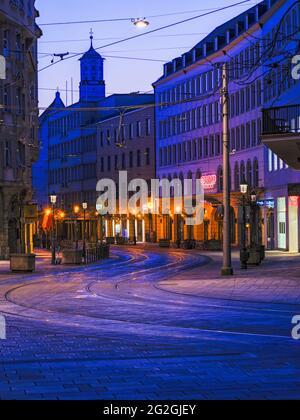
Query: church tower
<point x="92" y="85"/>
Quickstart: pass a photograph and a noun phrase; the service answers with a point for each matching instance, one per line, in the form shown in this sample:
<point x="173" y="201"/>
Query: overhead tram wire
<point x="127" y="18"/>
<point x="154" y="31"/>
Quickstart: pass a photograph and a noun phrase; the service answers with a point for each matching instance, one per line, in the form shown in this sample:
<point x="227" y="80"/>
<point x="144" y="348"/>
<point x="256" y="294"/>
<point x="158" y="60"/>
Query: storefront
<point x="281" y="215"/>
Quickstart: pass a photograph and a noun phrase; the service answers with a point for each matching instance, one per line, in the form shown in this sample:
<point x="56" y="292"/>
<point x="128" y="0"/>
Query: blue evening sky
<point x="121" y="75"/>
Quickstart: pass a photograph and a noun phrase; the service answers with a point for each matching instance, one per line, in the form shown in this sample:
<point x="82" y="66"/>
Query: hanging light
<point x="84" y="206"/>
<point x="140" y="23"/>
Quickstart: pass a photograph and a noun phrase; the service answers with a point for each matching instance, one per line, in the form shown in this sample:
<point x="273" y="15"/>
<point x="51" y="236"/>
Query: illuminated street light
<point x="99" y="208"/>
<point x="244" y="254"/>
<point x="53" y="200"/>
<point x="76" y="211"/>
<point x="244" y="188"/>
<point x="84" y="206"/>
<point x="140" y="23"/>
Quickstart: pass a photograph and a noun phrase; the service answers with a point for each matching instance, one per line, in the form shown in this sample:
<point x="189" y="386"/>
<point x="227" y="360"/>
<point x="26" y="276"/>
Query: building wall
<point x="282" y="183"/>
<point x="189" y="128"/>
<point x="19" y="119"/>
<point x="127" y="143"/>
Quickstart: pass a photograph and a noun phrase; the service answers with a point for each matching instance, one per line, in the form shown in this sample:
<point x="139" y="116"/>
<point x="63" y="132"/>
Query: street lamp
<point x="244" y="254"/>
<point x="84" y="206"/>
<point x="76" y="211"/>
<point x="99" y="208"/>
<point x="53" y="199"/>
<point x="178" y="221"/>
<point x="253" y="197"/>
<point x="134" y="227"/>
<point x="140" y="23"/>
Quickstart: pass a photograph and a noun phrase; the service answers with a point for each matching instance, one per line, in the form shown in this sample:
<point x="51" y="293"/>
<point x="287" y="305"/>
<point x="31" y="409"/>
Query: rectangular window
<point x="270" y="159"/>
<point x="139" y="129"/>
<point x="148" y="127"/>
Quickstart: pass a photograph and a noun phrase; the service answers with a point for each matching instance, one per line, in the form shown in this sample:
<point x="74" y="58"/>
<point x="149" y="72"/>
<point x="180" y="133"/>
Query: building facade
<point x="18" y="124"/>
<point x="68" y="134"/>
<point x="127" y="143"/>
<point x="281" y="100"/>
<point x="189" y="120"/>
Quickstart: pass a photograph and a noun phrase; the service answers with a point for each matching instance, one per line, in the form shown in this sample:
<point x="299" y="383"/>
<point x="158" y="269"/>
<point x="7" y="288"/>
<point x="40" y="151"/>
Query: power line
<point x="125" y="19"/>
<point x="156" y="30"/>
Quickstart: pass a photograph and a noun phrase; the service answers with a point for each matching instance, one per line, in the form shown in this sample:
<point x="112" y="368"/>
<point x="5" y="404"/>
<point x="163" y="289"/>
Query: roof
<point x="91" y="54"/>
<point x="218" y="38"/>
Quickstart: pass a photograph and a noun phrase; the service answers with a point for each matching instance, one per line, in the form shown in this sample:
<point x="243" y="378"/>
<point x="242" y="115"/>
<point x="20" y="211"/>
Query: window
<point x="7" y="154"/>
<point x="131" y="134"/>
<point x="131" y="159"/>
<point x="270" y="160"/>
<point x="139" y="129"/>
<point x="255" y="174"/>
<point x="220" y="179"/>
<point x="138" y="158"/>
<point x="236" y="177"/>
<point x="242" y="172"/>
<point x="148" y="127"/>
<point x="249" y="173"/>
<point x="147" y="153"/>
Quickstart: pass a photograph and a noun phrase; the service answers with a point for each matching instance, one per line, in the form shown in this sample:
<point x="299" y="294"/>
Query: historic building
<point x="126" y="142"/>
<point x="68" y="135"/>
<point x="281" y="127"/>
<point x="189" y="119"/>
<point x="18" y="124"/>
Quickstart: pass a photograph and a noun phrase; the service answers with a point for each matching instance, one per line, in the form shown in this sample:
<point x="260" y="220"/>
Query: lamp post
<point x="178" y="221"/>
<point x="76" y="211"/>
<point x="84" y="206"/>
<point x="99" y="208"/>
<point x="244" y="254"/>
<point x="134" y="228"/>
<point x="53" y="199"/>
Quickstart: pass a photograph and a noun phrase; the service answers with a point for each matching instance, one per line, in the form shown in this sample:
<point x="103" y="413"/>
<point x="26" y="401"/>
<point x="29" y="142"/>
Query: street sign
<point x="2" y="68"/>
<point x="268" y="203"/>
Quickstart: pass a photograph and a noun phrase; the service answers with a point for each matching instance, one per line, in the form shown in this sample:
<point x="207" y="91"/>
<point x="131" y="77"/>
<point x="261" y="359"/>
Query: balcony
<point x="281" y="133"/>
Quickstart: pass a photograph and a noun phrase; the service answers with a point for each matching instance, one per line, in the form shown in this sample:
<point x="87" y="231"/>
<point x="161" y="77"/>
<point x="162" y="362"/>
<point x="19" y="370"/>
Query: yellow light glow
<point x="47" y="212"/>
<point x="76" y="209"/>
<point x="141" y="23"/>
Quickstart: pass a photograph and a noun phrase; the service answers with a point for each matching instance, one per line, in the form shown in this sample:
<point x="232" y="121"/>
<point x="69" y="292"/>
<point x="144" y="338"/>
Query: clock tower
<point x="92" y="84"/>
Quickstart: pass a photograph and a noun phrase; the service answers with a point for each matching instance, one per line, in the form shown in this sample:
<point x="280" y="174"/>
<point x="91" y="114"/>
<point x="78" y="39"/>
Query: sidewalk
<point x="43" y="265"/>
<point x="277" y="280"/>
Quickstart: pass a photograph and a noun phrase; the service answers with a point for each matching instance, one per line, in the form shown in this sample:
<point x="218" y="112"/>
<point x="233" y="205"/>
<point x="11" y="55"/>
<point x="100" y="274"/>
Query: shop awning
<point x="212" y="200"/>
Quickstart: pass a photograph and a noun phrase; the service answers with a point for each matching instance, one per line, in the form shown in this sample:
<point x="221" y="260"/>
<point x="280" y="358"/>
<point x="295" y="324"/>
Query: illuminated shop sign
<point x="268" y="203"/>
<point x="2" y="68"/>
<point x="294" y="201"/>
<point x="209" y="181"/>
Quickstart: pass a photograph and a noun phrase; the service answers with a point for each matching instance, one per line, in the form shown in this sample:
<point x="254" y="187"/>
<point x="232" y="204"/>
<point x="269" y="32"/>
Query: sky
<point x="122" y="75"/>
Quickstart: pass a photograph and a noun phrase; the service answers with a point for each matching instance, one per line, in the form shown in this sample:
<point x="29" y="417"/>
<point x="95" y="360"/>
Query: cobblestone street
<point x="150" y="324"/>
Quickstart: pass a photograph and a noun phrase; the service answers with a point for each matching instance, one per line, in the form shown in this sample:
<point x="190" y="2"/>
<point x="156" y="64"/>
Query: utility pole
<point x="227" y="269"/>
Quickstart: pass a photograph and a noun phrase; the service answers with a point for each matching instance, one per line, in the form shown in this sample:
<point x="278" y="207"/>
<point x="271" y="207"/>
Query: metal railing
<point x="281" y="120"/>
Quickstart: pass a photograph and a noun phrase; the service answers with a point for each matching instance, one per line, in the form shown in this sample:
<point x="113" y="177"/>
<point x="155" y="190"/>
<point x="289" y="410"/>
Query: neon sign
<point x="294" y="201"/>
<point x="268" y="203"/>
<point x="209" y="181"/>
